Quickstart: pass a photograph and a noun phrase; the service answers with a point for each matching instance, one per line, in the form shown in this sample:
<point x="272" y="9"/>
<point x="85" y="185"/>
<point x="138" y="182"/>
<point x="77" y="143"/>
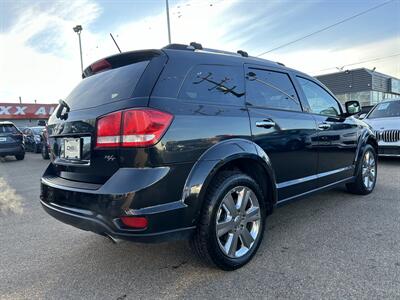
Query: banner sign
<point x="14" y="111"/>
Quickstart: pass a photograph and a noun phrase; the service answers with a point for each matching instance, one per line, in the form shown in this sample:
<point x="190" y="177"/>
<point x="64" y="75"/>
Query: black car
<point x="11" y="141"/>
<point x="45" y="145"/>
<point x="33" y="139"/>
<point x="186" y="142"/>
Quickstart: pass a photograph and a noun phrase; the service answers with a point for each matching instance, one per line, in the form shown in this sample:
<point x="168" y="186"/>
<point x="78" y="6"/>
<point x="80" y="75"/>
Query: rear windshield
<point x="106" y="87"/>
<point x="8" y="128"/>
<point x="386" y="110"/>
<point x="37" y="130"/>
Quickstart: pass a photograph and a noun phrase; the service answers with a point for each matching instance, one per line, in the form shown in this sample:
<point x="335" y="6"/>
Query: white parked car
<point x="384" y="119"/>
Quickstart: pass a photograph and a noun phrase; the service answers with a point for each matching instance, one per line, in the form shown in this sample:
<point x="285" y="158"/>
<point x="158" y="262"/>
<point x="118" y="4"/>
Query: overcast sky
<point x="39" y="53"/>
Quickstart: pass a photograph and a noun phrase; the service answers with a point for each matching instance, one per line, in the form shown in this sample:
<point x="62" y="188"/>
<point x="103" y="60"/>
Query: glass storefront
<point x="367" y="97"/>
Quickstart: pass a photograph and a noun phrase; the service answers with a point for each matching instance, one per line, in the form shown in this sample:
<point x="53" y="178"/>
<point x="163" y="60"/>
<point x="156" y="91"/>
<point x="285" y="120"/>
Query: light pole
<point x="169" y="28"/>
<point x="78" y="30"/>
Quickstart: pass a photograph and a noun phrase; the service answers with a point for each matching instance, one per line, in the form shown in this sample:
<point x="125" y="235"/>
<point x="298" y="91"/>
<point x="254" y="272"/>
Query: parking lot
<point x="331" y="245"/>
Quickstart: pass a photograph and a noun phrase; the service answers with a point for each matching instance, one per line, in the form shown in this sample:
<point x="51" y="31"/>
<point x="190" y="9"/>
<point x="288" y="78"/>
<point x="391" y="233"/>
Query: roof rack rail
<point x="177" y="47"/>
<point x="279" y="63"/>
<point x="242" y="53"/>
<point x="193" y="46"/>
<point x="196" y="46"/>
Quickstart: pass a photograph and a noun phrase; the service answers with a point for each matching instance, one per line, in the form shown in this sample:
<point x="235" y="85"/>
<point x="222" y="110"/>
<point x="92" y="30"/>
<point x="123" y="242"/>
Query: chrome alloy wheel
<point x="368" y="169"/>
<point x="238" y="221"/>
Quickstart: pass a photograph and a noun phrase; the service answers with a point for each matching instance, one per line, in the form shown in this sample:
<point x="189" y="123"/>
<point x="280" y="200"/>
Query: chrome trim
<point x="155" y="209"/>
<point x="283" y="201"/>
<point x="312" y="177"/>
<point x="388" y="136"/>
<point x="389" y="155"/>
<point x="265" y="124"/>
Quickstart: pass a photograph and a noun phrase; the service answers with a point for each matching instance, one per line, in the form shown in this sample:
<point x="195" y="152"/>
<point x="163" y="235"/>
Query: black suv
<point x="11" y="141"/>
<point x="186" y="142"/>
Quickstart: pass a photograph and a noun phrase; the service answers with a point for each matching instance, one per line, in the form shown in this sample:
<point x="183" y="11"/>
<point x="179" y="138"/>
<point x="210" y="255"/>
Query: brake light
<point x="135" y="222"/>
<point x="101" y="65"/>
<point x="132" y="128"/>
<point x="144" y="127"/>
<point x="109" y="130"/>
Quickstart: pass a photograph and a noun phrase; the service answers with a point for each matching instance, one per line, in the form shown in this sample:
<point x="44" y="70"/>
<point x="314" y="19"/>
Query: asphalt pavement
<point x="332" y="245"/>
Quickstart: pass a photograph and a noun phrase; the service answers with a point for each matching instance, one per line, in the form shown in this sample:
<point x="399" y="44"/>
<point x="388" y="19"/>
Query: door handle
<point x="324" y="126"/>
<point x="265" y="124"/>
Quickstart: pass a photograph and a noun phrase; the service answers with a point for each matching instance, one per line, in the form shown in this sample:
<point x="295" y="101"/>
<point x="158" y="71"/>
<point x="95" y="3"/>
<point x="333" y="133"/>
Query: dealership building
<point x="366" y="86"/>
<point x="24" y="114"/>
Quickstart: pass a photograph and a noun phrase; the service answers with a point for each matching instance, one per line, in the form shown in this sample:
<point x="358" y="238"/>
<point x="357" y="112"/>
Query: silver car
<point x="384" y="118"/>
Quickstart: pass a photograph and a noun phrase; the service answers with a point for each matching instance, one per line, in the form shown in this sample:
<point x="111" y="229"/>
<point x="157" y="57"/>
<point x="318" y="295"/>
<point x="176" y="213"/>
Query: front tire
<point x="45" y="152"/>
<point x="232" y="222"/>
<point x="366" y="176"/>
<point x="20" y="156"/>
<point x="37" y="148"/>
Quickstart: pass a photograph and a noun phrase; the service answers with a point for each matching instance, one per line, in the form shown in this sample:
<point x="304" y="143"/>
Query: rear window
<point x="106" y="87"/>
<point x="8" y="128"/>
<point x="37" y="130"/>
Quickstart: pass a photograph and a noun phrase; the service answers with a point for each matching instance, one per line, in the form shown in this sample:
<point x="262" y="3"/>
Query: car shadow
<point x="173" y="266"/>
<point x="8" y="159"/>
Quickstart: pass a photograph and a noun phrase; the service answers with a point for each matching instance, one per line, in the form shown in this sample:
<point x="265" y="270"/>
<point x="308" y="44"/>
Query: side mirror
<point x="352" y="107"/>
<point x="362" y="116"/>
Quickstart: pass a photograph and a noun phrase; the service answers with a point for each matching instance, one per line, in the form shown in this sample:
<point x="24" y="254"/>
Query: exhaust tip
<point x="113" y="239"/>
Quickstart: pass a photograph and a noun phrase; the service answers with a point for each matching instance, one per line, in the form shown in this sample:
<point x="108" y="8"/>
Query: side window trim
<point x="248" y="67"/>
<point x="328" y="92"/>
<point x="276" y="88"/>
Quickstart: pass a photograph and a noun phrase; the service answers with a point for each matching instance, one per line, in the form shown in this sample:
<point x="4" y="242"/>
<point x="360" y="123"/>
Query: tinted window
<point x="320" y="101"/>
<point x="105" y="87"/>
<point x="386" y="110"/>
<point x="271" y="90"/>
<point x="214" y="83"/>
<point x="37" y="130"/>
<point x="8" y="128"/>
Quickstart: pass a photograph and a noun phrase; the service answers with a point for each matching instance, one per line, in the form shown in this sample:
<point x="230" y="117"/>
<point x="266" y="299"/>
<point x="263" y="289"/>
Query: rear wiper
<point x="61" y="114"/>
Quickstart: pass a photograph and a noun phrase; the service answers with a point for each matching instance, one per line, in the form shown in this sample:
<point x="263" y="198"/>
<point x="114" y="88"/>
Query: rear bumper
<point x="98" y="208"/>
<point x="87" y="220"/>
<point x="12" y="150"/>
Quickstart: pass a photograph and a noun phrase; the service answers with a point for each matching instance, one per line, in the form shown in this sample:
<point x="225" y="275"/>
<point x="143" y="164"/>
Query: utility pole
<point x="78" y="30"/>
<point x="169" y="27"/>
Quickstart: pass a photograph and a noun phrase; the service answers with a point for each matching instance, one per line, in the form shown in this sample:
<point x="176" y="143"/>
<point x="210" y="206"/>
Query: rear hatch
<point x="110" y="85"/>
<point x="10" y="136"/>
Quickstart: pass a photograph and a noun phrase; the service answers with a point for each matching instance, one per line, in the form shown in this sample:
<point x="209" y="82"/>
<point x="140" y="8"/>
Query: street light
<point x="169" y="28"/>
<point x="78" y="30"/>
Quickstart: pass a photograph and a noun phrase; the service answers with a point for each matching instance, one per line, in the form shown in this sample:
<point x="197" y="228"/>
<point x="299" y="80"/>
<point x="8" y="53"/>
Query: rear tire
<point x="45" y="152"/>
<point x="366" y="175"/>
<point x="20" y="156"/>
<point x="222" y="211"/>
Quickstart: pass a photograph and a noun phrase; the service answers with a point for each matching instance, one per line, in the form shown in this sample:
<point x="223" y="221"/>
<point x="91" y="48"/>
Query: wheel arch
<point x="234" y="154"/>
<point x="367" y="138"/>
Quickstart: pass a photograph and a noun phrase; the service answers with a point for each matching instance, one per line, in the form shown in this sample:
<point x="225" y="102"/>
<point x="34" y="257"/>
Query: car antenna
<point x="115" y="42"/>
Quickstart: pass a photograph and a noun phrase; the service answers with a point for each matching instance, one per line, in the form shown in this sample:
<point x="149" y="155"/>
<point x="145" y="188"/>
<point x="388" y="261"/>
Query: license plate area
<point x="72" y="148"/>
<point x="3" y="139"/>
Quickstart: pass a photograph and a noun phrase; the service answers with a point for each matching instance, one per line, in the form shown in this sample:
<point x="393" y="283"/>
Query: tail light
<point x="132" y="128"/>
